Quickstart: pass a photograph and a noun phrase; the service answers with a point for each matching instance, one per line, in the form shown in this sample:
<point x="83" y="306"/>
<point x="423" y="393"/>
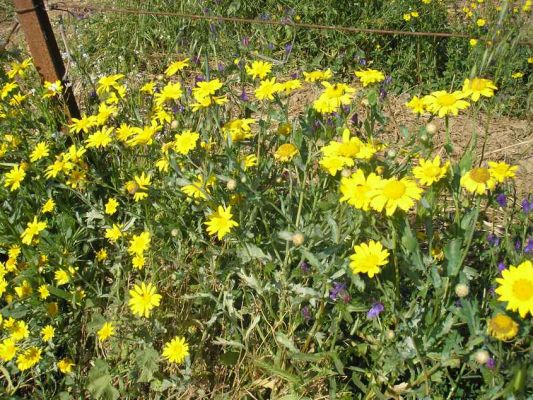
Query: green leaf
<point x="286" y="342"/>
<point x="147" y="361"/>
<point x="99" y="382"/>
<point x="452" y="253"/>
<point x="279" y="372"/>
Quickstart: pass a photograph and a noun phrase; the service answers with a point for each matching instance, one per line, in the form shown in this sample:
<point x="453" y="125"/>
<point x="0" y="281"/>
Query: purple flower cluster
<point x="376" y="309"/>
<point x="338" y="291"/>
<point x="501" y="199"/>
<point x="493" y="240"/>
<point x="527" y="206"/>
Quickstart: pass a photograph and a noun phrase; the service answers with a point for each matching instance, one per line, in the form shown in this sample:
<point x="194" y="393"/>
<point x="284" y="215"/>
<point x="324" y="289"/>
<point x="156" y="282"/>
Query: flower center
<point x="477" y="84"/>
<point x="371" y="261"/>
<point x="394" y="190"/>
<point x="432" y="171"/>
<point x="523" y="289"/>
<point x="480" y="175"/>
<point x="446" y="100"/>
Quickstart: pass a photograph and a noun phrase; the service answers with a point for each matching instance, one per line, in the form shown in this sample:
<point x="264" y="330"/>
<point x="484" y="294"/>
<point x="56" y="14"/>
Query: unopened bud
<point x="298" y="239"/>
<point x="431" y="128"/>
<point x="389" y="334"/>
<point x="481" y="356"/>
<point x="391" y="153"/>
<point x="174" y="232"/>
<point x="174" y="124"/>
<point x="231" y="184"/>
<point x="461" y="290"/>
<point x="346" y="172"/>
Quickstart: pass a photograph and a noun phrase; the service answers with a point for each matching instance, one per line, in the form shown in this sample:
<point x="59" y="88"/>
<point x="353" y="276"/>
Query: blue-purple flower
<point x="491" y="363"/>
<point x="376" y="309"/>
<point x="306" y="313"/>
<point x="493" y="240"/>
<point x="501" y="267"/>
<point x="501" y="199"/>
<point x="304" y="267"/>
<point x="527" y="206"/>
<point x="529" y="246"/>
<point x="338" y="291"/>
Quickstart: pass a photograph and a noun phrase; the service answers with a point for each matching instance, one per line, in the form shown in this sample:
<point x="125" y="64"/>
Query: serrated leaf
<point x="147" y="361"/>
<point x="99" y="382"/>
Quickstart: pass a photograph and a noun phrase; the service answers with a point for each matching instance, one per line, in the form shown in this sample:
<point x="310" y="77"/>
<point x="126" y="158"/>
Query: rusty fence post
<point x="37" y="29"/>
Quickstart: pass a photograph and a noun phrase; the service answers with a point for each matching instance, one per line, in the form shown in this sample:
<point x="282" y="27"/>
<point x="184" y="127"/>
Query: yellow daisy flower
<point x="29" y="358"/>
<point x="143" y="299"/>
<point x="65" y="365"/>
<point x="478" y="87"/>
<point x="176" y="350"/>
<point x="286" y="152"/>
<point x="442" y="103"/>
<point x="369" y="76"/>
<point x="106" y="331"/>
<point x="501" y="171"/>
<point x="430" y="171"/>
<point x="391" y="194"/>
<point x="478" y="180"/>
<point x="220" y="222"/>
<point x="502" y="327"/>
<point x="368" y="258"/>
<point x="259" y="69"/>
<point x="355" y="189"/>
<point x="516" y="288"/>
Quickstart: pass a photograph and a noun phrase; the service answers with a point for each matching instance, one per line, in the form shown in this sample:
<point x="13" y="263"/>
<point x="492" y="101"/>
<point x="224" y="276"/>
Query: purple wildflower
<point x="245" y="41"/>
<point x="376" y="309"/>
<point x="220" y="67"/>
<point x="529" y="246"/>
<point x="270" y="46"/>
<point x="501" y="267"/>
<point x="527" y="206"/>
<point x="306" y="313"/>
<point x="493" y="240"/>
<point x="517" y="244"/>
<point x="244" y="96"/>
<point x="288" y="48"/>
<point x="382" y="93"/>
<point x="336" y="290"/>
<point x="362" y="61"/>
<point x="501" y="199"/>
<point x="304" y="267"/>
<point x="491" y="363"/>
<point x="199" y="78"/>
<point x="388" y="80"/>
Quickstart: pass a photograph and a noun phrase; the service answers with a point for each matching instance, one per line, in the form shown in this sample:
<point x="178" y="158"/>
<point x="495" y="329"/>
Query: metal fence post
<point x="37" y="29"/>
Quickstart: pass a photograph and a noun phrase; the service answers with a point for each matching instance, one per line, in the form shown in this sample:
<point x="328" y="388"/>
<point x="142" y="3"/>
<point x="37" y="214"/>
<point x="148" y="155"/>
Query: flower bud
<point x="160" y="77"/>
<point x="297" y="239"/>
<point x="431" y="128"/>
<point x="390" y="334"/>
<point x="243" y="179"/>
<point x="231" y="184"/>
<point x="174" y="124"/>
<point x="391" y="153"/>
<point x="174" y="232"/>
<point x="461" y="290"/>
<point x="346" y="172"/>
<point x="481" y="356"/>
